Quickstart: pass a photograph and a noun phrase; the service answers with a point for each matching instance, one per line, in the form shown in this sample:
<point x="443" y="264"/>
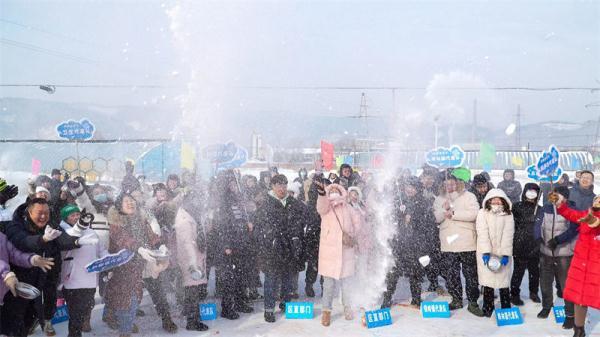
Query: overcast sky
<point x="206" y="51"/>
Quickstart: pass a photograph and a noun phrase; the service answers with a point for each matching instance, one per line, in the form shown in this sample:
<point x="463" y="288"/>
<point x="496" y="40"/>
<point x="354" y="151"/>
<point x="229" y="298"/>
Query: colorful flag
<point x="187" y="156"/>
<point x="36" y="166"/>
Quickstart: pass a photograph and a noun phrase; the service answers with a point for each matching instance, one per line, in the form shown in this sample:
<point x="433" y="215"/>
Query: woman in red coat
<point x="583" y="280"/>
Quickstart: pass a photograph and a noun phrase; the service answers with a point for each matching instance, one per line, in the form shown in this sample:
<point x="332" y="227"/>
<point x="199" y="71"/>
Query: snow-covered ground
<point x="407" y="321"/>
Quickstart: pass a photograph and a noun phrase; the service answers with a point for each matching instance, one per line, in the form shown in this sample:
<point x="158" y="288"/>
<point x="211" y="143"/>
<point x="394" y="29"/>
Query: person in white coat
<point x="455" y="209"/>
<point x="495" y="231"/>
<point x="79" y="286"/>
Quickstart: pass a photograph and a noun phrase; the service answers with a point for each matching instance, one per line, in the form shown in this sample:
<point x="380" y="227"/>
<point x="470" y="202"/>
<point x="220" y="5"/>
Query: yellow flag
<point x="517" y="161"/>
<point x="187" y="156"/>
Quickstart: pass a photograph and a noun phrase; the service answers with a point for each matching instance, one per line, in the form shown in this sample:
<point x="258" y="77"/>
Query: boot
<point x="387" y="301"/>
<point x="326" y="318"/>
<point x="348" y="314"/>
<point x="269" y="317"/>
<point x="168" y="324"/>
<point x="543" y="313"/>
<point x="474" y="309"/>
<point x="194" y="325"/>
<point x="535" y="298"/>
<point x="253" y="294"/>
<point x="569" y="323"/>
<point x="86" y="327"/>
<point x="33" y="327"/>
<point x="579" y="331"/>
<point x="229" y="314"/>
<point x="456" y="304"/>
<point x="243" y="307"/>
<point x="516" y="300"/>
<point x="487" y="312"/>
<point x="309" y="291"/>
<point x="415" y="303"/>
<point x="49" y="329"/>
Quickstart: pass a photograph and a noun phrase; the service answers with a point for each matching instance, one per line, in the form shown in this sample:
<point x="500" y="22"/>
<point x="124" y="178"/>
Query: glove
<point x="8" y="193"/>
<point x="486" y="258"/>
<point x="74" y="231"/>
<point x="145" y="254"/>
<point x="44" y="263"/>
<point x="164" y="249"/>
<point x="88" y="239"/>
<point x="556" y="198"/>
<point x="50" y="234"/>
<point x="297" y="248"/>
<point x="11" y="283"/>
<point x="504" y="260"/>
<point x="590" y="219"/>
<point x="552" y="243"/>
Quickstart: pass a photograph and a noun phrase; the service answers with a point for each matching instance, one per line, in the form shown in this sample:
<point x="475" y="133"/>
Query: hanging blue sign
<point x="435" y="309"/>
<point x="73" y="130"/>
<point x="378" y="318"/>
<point x="61" y="314"/>
<point x="208" y="311"/>
<point x="533" y="173"/>
<point x="559" y="314"/>
<point x="110" y="261"/>
<point x="299" y="310"/>
<point x="225" y="156"/>
<point x="510" y="316"/>
<point x="443" y="157"/>
<point x="548" y="162"/>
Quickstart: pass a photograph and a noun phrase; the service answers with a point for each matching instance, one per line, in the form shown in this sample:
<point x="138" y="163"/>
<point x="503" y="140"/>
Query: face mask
<point x="531" y="194"/>
<point x="497" y="209"/>
<point x="101" y="198"/>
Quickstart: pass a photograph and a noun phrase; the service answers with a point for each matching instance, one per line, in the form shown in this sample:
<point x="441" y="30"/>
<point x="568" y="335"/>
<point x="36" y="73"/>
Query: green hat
<point x="68" y="210"/>
<point x="462" y="173"/>
<point x="3" y="184"/>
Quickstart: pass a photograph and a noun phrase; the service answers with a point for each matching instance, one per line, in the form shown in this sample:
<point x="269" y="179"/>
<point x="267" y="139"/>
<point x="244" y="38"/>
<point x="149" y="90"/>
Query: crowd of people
<point x="324" y="223"/>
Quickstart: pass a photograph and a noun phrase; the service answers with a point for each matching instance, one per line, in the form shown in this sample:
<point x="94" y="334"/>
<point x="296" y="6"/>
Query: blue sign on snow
<point x="510" y="316"/>
<point x="548" y="162"/>
<point x="208" y="311"/>
<point x="378" y="318"/>
<point x="61" y="314"/>
<point x="445" y="157"/>
<point x="559" y="314"/>
<point x="435" y="309"/>
<point x="299" y="310"/>
<point x="110" y="261"/>
<point x="533" y="173"/>
<point x="73" y="130"/>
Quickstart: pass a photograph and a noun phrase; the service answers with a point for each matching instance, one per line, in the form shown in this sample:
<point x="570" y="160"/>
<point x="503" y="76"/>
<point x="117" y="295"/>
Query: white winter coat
<point x="495" y="236"/>
<point x="457" y="234"/>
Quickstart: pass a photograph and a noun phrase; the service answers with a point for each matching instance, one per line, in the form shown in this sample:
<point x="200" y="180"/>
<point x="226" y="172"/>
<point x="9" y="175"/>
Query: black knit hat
<point x="479" y="179"/>
<point x="562" y="190"/>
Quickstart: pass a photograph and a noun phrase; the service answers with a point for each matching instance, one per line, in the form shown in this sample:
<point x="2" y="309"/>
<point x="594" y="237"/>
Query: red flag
<point x="327" y="155"/>
<point x="377" y="161"/>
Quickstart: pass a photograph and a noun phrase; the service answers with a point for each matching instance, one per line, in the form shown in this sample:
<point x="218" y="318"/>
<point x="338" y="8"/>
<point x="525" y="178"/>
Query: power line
<point x="101" y="86"/>
<point x="46" y="51"/>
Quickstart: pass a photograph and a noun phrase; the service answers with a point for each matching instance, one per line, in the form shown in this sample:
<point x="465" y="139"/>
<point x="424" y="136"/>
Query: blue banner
<point x="533" y="173"/>
<point x="548" y="162"/>
<point x="61" y="314"/>
<point x="208" y="311"/>
<point x="559" y="314"/>
<point x="110" y="261"/>
<point x="445" y="157"/>
<point x="435" y="309"/>
<point x="299" y="310"/>
<point x="225" y="156"/>
<point x="510" y="316"/>
<point x="378" y="318"/>
<point x="72" y="130"/>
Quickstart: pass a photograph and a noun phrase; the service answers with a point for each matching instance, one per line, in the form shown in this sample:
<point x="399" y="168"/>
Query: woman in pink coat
<point x="338" y="243"/>
<point x="191" y="258"/>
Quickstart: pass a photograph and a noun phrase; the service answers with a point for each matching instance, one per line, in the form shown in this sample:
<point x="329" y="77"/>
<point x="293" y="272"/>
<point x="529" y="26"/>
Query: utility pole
<point x="518" y="135"/>
<point x="363" y="113"/>
<point x="474" y="124"/>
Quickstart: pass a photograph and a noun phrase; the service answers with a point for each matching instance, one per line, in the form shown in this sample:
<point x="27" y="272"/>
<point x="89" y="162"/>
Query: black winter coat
<point x="279" y="234"/>
<point x="524" y="244"/>
<point x="25" y="236"/>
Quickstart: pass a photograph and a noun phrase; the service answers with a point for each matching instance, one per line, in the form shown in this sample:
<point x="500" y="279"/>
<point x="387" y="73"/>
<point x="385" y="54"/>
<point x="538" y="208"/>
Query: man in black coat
<point x="29" y="233"/>
<point x="312" y="235"/>
<point x="526" y="250"/>
<point x="279" y="228"/>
